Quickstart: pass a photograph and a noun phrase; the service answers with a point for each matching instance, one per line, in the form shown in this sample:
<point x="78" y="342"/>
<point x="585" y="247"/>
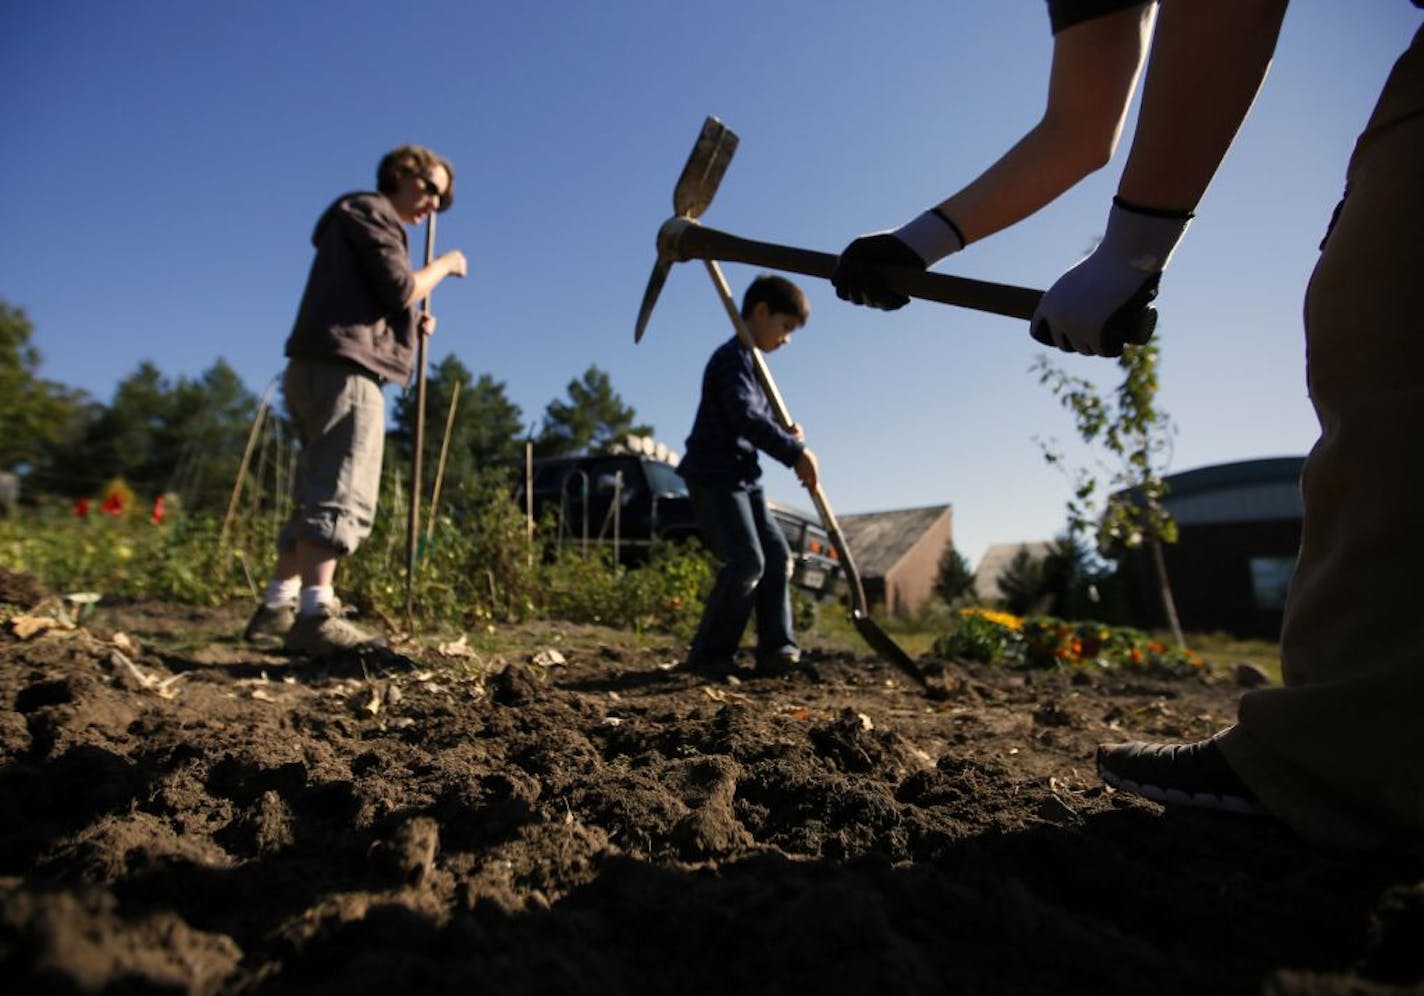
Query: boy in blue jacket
<point x="735" y="420"/>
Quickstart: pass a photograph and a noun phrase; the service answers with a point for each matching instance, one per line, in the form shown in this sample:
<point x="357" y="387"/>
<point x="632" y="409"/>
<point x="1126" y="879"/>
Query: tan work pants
<point x="1338" y="752"/>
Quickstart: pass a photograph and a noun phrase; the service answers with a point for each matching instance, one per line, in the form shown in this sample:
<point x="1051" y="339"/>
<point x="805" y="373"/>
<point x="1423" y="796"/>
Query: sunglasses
<point x="428" y="186"/>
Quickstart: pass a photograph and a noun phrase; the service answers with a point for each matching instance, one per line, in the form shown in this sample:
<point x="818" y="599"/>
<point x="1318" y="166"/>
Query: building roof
<point x="1246" y="491"/>
<point x="879" y="540"/>
<point x="1269" y="470"/>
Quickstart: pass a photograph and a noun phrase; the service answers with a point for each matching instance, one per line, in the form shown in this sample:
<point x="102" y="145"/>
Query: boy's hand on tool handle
<point x="427" y="323"/>
<point x="807" y="470"/>
<point x="797" y="431"/>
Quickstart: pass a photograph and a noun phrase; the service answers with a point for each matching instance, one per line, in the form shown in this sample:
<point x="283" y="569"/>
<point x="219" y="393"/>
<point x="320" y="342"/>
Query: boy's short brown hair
<point x="780" y="296"/>
<point x="413" y="160"/>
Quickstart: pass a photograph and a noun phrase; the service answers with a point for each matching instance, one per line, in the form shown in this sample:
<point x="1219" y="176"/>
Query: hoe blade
<point x="704" y="170"/>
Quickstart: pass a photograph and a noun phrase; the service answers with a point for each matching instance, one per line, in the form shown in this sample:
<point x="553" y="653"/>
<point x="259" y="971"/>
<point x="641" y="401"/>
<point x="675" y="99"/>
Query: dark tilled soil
<point x="181" y="814"/>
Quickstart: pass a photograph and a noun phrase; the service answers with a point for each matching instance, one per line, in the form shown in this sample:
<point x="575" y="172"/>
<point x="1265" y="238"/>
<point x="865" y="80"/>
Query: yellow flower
<point x="1004" y="619"/>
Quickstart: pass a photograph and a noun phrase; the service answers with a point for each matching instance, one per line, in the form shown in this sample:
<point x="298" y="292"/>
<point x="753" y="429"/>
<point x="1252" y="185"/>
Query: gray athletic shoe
<point x="269" y="626"/>
<point x="328" y="633"/>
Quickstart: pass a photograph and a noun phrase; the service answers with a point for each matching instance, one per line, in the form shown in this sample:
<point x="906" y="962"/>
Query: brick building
<point x="897" y="554"/>
<point x="1239" y="532"/>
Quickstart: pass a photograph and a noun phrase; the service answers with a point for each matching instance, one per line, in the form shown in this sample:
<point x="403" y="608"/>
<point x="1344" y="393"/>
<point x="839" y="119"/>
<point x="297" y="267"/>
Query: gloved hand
<point x="925" y="239"/>
<point x="1102" y="303"/>
<point x="858" y="275"/>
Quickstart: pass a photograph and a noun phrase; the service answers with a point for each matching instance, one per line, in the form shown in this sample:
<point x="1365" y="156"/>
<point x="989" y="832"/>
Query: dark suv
<point x="626" y="501"/>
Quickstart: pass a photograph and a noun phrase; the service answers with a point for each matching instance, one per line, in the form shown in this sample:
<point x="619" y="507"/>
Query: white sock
<point x="282" y="591"/>
<point x="315" y="598"/>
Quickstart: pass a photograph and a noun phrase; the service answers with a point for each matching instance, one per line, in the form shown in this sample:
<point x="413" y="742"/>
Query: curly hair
<point x="411" y="160"/>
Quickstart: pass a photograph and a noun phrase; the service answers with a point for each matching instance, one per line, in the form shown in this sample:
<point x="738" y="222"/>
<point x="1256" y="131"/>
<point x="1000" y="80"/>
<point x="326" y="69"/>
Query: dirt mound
<point x="181" y="814"/>
<point x="21" y="590"/>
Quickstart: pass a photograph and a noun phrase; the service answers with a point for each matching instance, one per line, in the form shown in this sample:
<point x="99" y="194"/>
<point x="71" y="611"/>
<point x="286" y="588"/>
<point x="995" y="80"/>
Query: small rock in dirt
<point x="262" y="830"/>
<point x="1249" y="675"/>
<point x="516" y="685"/>
<point x="21" y="589"/>
<point x="1050" y="714"/>
<point x="548" y="658"/>
<point x="408" y="855"/>
<point x="1055" y="810"/>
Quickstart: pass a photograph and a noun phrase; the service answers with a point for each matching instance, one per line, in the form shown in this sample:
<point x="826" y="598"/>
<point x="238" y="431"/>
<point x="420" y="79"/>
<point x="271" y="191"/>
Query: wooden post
<point x="440" y="469"/>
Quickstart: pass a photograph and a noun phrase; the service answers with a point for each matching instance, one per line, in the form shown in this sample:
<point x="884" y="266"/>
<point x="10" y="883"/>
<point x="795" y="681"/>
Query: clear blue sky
<point x="165" y="163"/>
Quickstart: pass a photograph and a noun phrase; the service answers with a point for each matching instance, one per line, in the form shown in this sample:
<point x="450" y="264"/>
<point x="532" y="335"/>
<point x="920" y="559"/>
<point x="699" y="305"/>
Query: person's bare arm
<point x="1094" y="72"/>
<point x="1209" y="60"/>
<point x="427" y="278"/>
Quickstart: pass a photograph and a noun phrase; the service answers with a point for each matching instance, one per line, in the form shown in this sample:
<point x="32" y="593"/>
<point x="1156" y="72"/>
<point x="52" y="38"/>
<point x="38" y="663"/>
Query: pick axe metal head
<point x="695" y="189"/>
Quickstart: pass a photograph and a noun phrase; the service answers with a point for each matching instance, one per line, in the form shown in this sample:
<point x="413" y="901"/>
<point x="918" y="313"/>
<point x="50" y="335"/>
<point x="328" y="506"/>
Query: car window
<point x="664" y="480"/>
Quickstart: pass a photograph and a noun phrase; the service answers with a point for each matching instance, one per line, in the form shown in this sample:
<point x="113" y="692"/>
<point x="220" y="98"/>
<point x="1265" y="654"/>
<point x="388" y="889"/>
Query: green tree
<point x="201" y="434"/>
<point x="1022" y="584"/>
<point x="118" y="439"/>
<point x="484" y="436"/>
<point x="1126" y="512"/>
<point x="496" y="424"/>
<point x="36" y="415"/>
<point x="162" y="436"/>
<point x="592" y="420"/>
<point x="953" y="577"/>
<point x="1075" y="579"/>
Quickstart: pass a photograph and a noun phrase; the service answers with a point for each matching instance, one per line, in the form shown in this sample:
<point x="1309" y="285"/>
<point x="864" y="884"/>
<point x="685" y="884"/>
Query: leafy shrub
<point x="477" y="568"/>
<point x="120" y="556"/>
<point x="1048" y="642"/>
<point x="980" y="635"/>
<point x="663" y="594"/>
<point x="977" y="636"/>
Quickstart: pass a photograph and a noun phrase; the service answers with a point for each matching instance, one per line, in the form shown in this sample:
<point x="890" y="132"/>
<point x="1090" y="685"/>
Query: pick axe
<point x="682" y="238"/>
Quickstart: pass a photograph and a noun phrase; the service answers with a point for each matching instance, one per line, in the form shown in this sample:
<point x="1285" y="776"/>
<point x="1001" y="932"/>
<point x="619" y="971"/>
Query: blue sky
<point x="166" y="161"/>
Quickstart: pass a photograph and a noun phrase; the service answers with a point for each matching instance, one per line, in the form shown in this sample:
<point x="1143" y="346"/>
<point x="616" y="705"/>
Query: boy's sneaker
<point x="710" y="665"/>
<point x="270" y="625"/>
<point x="327" y="632"/>
<point x="778" y="663"/>
<point x="1195" y="774"/>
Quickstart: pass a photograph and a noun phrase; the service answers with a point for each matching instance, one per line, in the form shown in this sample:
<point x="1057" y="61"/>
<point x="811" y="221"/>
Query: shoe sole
<point x="377" y="644"/>
<point x="1176" y="797"/>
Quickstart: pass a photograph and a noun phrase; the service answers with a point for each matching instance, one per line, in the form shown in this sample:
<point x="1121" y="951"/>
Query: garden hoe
<point x="681" y="238"/>
<point x="878" y="639"/>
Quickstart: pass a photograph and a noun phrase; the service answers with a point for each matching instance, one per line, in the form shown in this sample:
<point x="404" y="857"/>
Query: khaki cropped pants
<point x="340" y="418"/>
<point x="1338" y="752"/>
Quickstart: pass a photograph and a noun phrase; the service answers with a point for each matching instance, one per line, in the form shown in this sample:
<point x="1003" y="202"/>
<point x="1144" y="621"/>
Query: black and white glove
<point x="1103" y="303"/>
<point x="920" y="242"/>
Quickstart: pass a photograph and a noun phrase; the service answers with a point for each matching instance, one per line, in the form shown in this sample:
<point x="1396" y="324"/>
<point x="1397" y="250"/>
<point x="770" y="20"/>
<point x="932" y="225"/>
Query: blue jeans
<point x="755" y="572"/>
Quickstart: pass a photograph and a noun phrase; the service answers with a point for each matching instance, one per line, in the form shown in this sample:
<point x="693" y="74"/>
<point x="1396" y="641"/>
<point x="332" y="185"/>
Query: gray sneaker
<point x="269" y="626"/>
<point x="328" y="633"/>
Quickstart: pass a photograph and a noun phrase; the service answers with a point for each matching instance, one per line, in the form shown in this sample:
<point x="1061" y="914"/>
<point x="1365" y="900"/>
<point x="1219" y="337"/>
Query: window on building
<point x="1270" y="577"/>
